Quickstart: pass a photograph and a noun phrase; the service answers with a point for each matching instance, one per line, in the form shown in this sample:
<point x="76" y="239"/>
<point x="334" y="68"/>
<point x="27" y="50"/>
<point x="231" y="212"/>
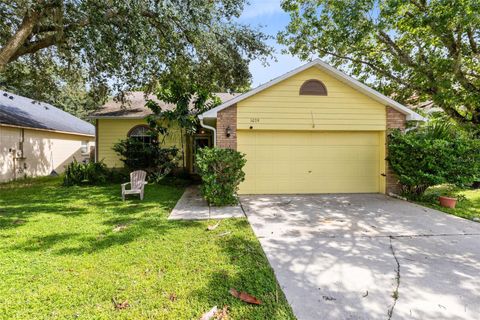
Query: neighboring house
<point x="37" y="139"/>
<point x="429" y="108"/>
<point x="117" y="120"/>
<point x="312" y="130"/>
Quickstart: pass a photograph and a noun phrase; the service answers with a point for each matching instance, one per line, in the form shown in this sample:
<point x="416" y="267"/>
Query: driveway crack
<point x="397" y="279"/>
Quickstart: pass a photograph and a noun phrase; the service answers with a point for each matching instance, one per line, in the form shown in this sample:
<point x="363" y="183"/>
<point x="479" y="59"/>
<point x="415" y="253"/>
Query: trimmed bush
<point x="221" y="173"/>
<point x="90" y="173"/>
<point x="434" y="154"/>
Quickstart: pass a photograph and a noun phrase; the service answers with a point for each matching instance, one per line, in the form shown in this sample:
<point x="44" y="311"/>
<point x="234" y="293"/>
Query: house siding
<point x="227" y="118"/>
<point x="395" y="120"/>
<point x="281" y="107"/>
<point x="111" y="131"/>
<point x="43" y="152"/>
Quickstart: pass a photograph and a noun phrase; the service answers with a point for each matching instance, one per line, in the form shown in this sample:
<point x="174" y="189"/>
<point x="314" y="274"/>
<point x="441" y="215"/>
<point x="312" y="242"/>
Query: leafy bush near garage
<point x="157" y="160"/>
<point x="90" y="173"/>
<point x="221" y="173"/>
<point x="432" y="154"/>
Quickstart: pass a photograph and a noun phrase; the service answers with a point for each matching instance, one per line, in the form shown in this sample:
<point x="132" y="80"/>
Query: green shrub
<point x="91" y="173"/>
<point x="118" y="175"/>
<point x="74" y="174"/>
<point x="221" y="173"/>
<point x="96" y="172"/>
<point x="433" y="154"/>
<point x="156" y="160"/>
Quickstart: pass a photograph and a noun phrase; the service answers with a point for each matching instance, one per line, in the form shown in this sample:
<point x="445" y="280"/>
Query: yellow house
<point x="38" y="139"/>
<point x="312" y="130"/>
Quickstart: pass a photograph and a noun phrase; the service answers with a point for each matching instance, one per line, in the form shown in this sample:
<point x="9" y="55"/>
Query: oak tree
<point x="413" y="50"/>
<point x="128" y="43"/>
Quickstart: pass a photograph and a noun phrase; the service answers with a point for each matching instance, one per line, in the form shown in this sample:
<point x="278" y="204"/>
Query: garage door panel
<point x="281" y="154"/>
<point x="282" y="166"/>
<point x="264" y="153"/>
<point x="264" y="168"/>
<point x="310" y="162"/>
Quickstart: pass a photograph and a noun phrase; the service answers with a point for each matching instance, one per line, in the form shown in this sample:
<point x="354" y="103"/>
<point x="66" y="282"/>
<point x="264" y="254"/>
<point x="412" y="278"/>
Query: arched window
<point x="141" y="133"/>
<point x="313" y="87"/>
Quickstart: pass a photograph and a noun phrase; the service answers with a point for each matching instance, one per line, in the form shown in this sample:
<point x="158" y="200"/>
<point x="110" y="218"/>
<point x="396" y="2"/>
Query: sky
<point x="271" y="18"/>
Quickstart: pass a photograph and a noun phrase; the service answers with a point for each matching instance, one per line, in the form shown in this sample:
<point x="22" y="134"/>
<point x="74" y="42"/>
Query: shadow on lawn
<point x="123" y="222"/>
<point x="18" y="205"/>
<point x="252" y="274"/>
<point x="136" y="229"/>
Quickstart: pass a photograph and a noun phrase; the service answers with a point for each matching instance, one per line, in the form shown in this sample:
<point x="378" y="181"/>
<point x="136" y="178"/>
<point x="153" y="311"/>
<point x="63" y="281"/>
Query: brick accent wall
<point x="225" y="118"/>
<point x="395" y="120"/>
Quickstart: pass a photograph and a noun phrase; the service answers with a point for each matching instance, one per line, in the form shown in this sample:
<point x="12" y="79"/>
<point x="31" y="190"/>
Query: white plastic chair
<point x="137" y="184"/>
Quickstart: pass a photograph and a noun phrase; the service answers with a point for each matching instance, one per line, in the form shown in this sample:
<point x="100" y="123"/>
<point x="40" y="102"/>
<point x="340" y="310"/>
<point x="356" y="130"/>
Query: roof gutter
<point x="94" y="117"/>
<point x="200" y="117"/>
<point x="415" y="117"/>
<point x="48" y="130"/>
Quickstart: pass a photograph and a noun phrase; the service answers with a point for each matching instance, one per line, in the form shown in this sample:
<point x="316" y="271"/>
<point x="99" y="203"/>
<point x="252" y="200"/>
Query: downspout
<point x="200" y="117"/>
<point x="96" y="141"/>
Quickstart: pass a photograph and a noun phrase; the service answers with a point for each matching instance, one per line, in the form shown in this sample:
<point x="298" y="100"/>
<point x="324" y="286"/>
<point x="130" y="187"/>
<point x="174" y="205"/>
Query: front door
<point x="199" y="142"/>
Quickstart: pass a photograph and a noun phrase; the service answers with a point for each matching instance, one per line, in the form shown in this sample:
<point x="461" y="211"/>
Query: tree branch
<point x="35" y="46"/>
<point x="395" y="49"/>
<point x="454" y="45"/>
<point x="19" y="38"/>
<point x="471" y="40"/>
<point x="374" y="67"/>
<point x="419" y="4"/>
<point x="406" y="59"/>
<point x="453" y="113"/>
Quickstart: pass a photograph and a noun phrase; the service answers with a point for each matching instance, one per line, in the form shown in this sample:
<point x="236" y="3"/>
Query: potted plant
<point x="447" y="202"/>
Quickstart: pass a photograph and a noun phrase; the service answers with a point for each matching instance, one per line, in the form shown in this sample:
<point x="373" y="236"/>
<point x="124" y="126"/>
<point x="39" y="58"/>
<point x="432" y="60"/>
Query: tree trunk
<point x="183" y="150"/>
<point x="18" y="39"/>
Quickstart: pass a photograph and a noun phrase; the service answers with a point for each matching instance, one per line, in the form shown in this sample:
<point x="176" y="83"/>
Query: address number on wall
<point x="254" y="120"/>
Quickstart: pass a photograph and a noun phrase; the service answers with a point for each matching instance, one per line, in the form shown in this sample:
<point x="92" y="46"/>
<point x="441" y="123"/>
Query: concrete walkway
<point x="369" y="256"/>
<point x="192" y="206"/>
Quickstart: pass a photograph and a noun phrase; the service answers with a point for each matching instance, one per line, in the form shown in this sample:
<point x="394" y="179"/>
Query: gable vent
<point x="313" y="87"/>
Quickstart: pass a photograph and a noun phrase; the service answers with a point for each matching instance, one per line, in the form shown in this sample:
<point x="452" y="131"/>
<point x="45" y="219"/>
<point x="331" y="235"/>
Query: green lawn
<point x="67" y="252"/>
<point x="468" y="204"/>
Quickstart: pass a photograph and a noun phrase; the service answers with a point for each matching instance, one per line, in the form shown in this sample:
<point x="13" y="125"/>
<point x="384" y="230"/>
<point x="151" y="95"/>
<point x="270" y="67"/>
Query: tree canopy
<point x="125" y="43"/>
<point x="412" y="50"/>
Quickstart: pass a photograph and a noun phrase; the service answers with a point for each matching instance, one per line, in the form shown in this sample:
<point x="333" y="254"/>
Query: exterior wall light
<point x="228" y="132"/>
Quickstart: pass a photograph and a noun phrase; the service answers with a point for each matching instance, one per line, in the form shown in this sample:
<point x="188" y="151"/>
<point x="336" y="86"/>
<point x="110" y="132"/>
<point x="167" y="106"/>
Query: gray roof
<point x="24" y="112"/>
<point x="134" y="107"/>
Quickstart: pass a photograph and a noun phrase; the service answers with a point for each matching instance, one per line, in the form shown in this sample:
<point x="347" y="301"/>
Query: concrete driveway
<point x="368" y="257"/>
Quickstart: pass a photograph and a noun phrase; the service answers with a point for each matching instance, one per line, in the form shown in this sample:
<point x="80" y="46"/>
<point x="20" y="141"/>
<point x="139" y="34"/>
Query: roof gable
<point x="340" y="76"/>
<point x="282" y="107"/>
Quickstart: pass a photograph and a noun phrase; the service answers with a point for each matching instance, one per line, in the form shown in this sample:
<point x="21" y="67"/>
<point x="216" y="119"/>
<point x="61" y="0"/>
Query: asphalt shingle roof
<point x="24" y="112"/>
<point x="134" y="107"/>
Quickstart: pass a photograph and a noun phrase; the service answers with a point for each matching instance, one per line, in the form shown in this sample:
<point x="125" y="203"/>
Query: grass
<point x="468" y="204"/>
<point x="66" y="252"/>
